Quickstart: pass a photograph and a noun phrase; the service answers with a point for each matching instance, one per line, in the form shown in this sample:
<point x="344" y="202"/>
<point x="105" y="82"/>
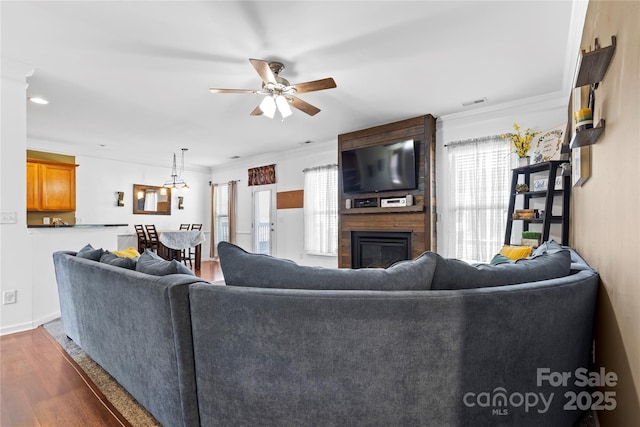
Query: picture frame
<point x="580" y="165"/>
<point x="548" y="145"/>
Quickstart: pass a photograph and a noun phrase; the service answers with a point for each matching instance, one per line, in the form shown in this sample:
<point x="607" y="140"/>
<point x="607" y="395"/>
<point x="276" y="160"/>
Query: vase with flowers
<point x="521" y="143"/>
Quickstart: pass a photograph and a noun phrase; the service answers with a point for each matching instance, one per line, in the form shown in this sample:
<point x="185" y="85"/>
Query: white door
<point x="264" y="214"/>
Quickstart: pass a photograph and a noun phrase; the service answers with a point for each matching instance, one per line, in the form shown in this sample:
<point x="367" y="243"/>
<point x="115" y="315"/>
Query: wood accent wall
<point x="417" y="218"/>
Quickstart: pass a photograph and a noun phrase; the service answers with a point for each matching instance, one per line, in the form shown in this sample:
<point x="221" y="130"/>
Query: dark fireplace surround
<point x="379" y="249"/>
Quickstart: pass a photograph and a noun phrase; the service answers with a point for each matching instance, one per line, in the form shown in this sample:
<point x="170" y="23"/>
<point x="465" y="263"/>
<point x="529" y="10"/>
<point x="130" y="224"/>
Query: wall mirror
<point x="151" y="200"/>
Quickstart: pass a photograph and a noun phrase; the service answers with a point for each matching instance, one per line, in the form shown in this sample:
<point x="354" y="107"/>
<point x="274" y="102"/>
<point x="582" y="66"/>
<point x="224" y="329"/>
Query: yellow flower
<point x="521" y="143"/>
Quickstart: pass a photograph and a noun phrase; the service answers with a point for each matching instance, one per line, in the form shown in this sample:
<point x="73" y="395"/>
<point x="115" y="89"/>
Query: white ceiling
<point x="131" y="78"/>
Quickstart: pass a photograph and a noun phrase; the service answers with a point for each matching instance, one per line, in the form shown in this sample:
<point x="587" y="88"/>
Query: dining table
<point x="172" y="242"/>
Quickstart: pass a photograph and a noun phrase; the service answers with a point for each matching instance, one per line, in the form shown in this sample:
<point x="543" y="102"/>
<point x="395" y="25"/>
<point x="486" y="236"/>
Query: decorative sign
<point x="263" y="175"/>
<point x="548" y="145"/>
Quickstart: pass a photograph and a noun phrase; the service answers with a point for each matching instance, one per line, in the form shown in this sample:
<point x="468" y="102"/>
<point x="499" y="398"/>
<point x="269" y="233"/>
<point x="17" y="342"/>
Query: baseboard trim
<point x="27" y="326"/>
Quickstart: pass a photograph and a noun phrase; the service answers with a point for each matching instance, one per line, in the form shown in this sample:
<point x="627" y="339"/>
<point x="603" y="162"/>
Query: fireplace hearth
<point x="379" y="249"/>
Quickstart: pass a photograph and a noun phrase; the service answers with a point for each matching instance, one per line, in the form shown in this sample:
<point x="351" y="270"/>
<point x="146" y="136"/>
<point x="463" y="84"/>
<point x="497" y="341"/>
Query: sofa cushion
<point x="150" y="263"/>
<point x="89" y="252"/>
<point x="113" y="259"/>
<point x="456" y="274"/>
<point x="241" y="268"/>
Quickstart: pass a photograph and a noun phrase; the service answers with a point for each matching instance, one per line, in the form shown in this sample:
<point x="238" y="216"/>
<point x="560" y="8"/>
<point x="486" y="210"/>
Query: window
<point x="479" y="175"/>
<point x="221" y="213"/>
<point x="321" y="210"/>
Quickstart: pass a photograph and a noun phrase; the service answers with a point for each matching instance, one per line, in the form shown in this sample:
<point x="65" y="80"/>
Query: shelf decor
<point x="521" y="142"/>
<point x="531" y="238"/>
<point x="548" y="146"/>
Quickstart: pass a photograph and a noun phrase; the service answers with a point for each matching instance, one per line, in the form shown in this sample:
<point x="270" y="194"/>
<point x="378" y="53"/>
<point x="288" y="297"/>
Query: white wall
<point x="15" y="267"/>
<point x="539" y="114"/>
<point x="289" y="176"/>
<point x="98" y="180"/>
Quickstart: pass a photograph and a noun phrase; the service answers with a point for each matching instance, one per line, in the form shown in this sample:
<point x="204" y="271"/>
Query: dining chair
<point x="184" y="226"/>
<point x="190" y="254"/>
<point x="142" y="237"/>
<point x="153" y="242"/>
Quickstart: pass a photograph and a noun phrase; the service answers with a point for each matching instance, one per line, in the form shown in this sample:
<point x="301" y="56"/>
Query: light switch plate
<point x="9" y="218"/>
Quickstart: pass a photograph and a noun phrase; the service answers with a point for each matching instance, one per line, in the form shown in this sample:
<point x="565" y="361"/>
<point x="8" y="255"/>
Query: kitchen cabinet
<point x="51" y="186"/>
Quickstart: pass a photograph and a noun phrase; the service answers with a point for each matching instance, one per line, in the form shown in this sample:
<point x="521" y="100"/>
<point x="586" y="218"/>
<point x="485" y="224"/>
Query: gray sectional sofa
<point x="437" y="342"/>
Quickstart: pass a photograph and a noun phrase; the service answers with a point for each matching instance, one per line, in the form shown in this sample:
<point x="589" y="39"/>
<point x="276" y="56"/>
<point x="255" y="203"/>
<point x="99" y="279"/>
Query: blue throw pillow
<point x="150" y="263"/>
<point x="241" y="268"/>
<point x="550" y="246"/>
<point x="112" y="259"/>
<point x="89" y="252"/>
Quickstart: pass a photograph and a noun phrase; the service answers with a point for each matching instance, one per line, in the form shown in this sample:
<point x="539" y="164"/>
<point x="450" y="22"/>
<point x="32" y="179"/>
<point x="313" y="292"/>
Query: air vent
<point x="474" y="102"/>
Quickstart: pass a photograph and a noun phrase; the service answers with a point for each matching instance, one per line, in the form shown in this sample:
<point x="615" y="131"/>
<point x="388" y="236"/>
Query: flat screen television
<point x="385" y="167"/>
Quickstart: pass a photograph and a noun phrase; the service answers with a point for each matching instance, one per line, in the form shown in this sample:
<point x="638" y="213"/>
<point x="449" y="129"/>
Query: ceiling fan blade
<point x="304" y="106"/>
<point x="328" y="83"/>
<point x="262" y="67"/>
<point x="214" y="90"/>
<point x="256" y="111"/>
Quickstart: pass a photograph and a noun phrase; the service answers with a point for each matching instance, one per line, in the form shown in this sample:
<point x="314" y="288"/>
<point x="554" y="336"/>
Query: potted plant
<point x="521" y="143"/>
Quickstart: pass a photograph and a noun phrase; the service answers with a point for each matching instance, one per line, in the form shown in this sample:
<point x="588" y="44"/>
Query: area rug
<point x="117" y="396"/>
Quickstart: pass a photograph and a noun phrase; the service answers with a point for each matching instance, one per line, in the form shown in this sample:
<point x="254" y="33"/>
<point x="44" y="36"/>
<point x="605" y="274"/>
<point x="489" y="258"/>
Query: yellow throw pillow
<point x="130" y="252"/>
<point x="516" y="252"/>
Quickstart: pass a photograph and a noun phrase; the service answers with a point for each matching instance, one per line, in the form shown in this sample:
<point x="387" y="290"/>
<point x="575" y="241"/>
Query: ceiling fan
<point x="279" y="93"/>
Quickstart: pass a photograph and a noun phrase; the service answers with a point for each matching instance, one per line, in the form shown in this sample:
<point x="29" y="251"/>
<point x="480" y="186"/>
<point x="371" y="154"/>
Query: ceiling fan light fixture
<point x="283" y="106"/>
<point x="268" y="106"/>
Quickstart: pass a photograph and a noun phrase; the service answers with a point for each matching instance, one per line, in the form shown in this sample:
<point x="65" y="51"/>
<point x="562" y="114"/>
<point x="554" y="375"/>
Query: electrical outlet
<point x="8" y="217"/>
<point x="9" y="297"/>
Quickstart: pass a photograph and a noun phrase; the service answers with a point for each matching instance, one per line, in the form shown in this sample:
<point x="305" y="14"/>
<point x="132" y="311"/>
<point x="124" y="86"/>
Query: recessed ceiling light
<point x="37" y="100"/>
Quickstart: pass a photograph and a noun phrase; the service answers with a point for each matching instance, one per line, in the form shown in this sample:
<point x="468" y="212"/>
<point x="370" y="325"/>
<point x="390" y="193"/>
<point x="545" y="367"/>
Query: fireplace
<point x="379" y="249"/>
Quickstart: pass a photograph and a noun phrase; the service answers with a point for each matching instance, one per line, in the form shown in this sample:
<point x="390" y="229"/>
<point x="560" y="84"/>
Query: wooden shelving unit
<point x="377" y="209"/>
<point x="549" y="195"/>
<point x="591" y="70"/>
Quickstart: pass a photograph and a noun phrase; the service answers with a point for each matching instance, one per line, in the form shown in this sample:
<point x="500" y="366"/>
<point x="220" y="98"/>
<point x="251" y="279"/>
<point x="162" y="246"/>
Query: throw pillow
<point x="456" y="274"/>
<point x="112" y="259"/>
<point x="130" y="252"/>
<point x="150" y="263"/>
<point x="499" y="259"/>
<point x="241" y="268"/>
<point x="516" y="252"/>
<point x="549" y="246"/>
<point x="89" y="252"/>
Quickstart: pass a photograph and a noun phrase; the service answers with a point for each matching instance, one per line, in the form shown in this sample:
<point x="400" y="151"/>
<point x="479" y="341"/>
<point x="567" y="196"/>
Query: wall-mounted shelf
<point x="591" y="70"/>
<point x="587" y="136"/>
<point x="593" y="65"/>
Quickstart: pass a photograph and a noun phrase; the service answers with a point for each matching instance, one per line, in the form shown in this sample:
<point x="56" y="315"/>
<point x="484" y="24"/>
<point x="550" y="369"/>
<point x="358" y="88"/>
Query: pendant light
<point x="176" y="181"/>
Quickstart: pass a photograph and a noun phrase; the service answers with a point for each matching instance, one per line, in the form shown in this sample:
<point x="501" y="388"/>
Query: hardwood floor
<point x="40" y="385"/>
